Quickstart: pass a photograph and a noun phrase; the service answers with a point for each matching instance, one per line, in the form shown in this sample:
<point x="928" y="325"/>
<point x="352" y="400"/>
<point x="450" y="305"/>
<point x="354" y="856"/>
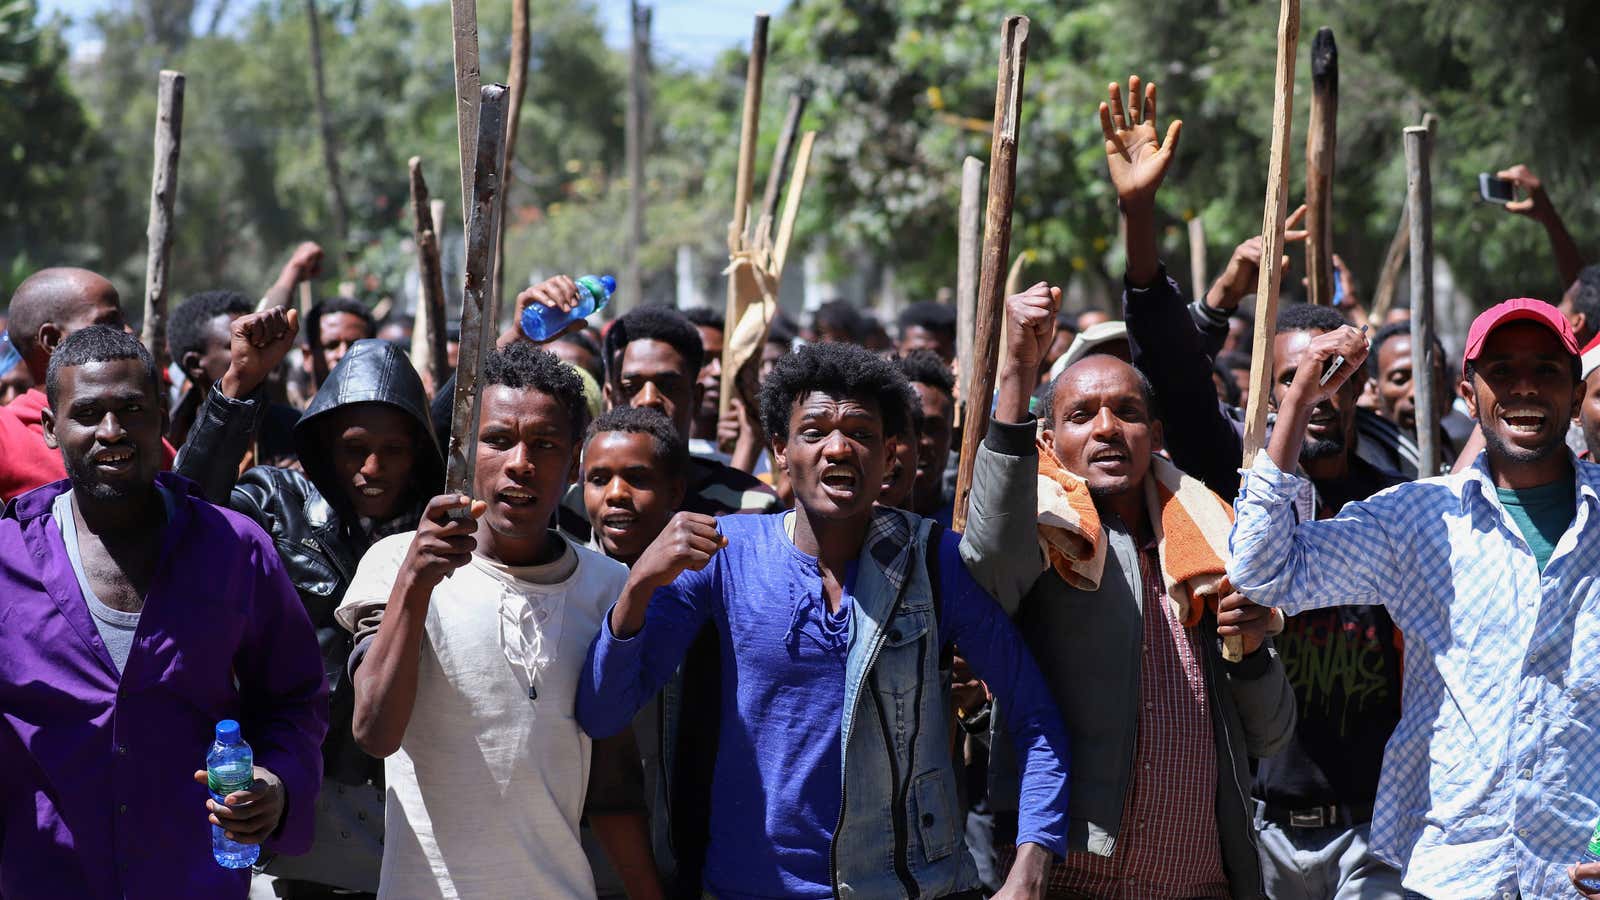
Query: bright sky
<point x="692" y="32"/>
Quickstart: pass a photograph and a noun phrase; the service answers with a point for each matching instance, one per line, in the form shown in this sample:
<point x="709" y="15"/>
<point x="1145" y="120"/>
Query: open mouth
<point x="840" y="479"/>
<point x="117" y="460"/>
<point x="1109" y="456"/>
<point x="516" y="497"/>
<point x="1523" y="421"/>
<point x="369" y="490"/>
<point x="618" y="523"/>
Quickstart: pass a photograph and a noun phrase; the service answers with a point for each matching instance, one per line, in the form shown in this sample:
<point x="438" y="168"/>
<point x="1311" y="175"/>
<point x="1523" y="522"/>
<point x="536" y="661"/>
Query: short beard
<point x="1314" y="449"/>
<point x="87" y="482"/>
<point x="1500" y="448"/>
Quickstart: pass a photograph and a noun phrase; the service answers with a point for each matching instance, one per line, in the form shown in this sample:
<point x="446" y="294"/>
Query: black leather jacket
<point x="315" y="531"/>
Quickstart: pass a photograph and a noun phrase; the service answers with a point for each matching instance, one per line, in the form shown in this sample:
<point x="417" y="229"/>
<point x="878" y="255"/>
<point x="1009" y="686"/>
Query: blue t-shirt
<point x="776" y="794"/>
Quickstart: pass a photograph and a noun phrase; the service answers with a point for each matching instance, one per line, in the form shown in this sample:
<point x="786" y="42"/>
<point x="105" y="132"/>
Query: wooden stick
<point x="477" y="323"/>
<point x="996" y="251"/>
<point x="427" y="336"/>
<point x="1272" y="231"/>
<point x="791" y="204"/>
<point x="519" y="87"/>
<point x="1399" y="246"/>
<point x="636" y="135"/>
<point x="754" y="73"/>
<point x="1389" y="275"/>
<point x="464" y="37"/>
<point x="1271" y="249"/>
<point x="1321" y="139"/>
<point x="780" y="164"/>
<point x="1197" y="258"/>
<point x="163" y="192"/>
<point x="1419" y="200"/>
<point x="330" y="146"/>
<point x="969" y="243"/>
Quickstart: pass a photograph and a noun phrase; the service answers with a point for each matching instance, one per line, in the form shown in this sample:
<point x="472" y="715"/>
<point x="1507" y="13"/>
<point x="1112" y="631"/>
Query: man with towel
<point x="1112" y="562"/>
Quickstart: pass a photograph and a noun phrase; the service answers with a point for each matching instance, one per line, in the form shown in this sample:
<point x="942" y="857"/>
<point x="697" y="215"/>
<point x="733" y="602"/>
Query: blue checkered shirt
<point x="1491" y="781"/>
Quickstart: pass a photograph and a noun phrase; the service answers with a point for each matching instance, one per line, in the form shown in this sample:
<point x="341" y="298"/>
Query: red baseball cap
<point x="1522" y="309"/>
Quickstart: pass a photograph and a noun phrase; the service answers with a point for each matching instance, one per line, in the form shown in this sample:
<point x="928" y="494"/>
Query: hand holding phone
<point x="1496" y="190"/>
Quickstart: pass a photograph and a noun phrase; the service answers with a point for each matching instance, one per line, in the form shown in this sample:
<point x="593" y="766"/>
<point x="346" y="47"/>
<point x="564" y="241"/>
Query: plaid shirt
<point x="1491" y="782"/>
<point x="1168" y="845"/>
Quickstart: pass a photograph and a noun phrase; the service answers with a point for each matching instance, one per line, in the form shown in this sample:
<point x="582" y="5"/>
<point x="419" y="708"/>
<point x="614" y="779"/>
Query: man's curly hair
<point x="838" y="370"/>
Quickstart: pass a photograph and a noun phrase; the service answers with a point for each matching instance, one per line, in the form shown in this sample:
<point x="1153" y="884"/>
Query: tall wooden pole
<point x="791" y="203"/>
<point x="427" y="338"/>
<point x="969" y="243"/>
<point x="1399" y="246"/>
<point x="1272" y="231"/>
<point x="748" y="126"/>
<point x="163" y="193"/>
<point x="1197" y="258"/>
<point x="636" y="134"/>
<point x="330" y="146"/>
<point x="1419" y="200"/>
<point x="519" y="87"/>
<point x="1321" y="140"/>
<point x="477" y="323"/>
<point x="780" y="164"/>
<point x="996" y="251"/>
<point x="1271" y="250"/>
<point x="464" y="38"/>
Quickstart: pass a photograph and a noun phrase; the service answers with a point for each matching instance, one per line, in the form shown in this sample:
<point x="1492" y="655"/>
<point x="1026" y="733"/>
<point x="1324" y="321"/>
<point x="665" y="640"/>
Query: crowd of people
<point x="674" y="647"/>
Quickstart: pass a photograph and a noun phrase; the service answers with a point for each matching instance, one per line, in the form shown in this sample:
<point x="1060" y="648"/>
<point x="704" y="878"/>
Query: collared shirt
<point x="97" y="795"/>
<point x="1491" y="783"/>
<point x="1169" y="846"/>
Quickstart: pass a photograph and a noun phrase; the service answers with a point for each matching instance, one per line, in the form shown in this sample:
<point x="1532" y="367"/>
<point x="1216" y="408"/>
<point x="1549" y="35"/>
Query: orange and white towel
<point x="1191" y="529"/>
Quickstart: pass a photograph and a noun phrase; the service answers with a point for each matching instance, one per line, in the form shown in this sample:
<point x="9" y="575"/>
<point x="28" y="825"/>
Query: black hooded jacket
<point x="307" y="515"/>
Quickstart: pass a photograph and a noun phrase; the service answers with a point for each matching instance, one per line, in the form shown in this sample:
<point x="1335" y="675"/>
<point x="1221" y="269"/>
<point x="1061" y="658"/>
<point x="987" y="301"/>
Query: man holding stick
<point x="1491" y="782"/>
<point x="1314" y="800"/>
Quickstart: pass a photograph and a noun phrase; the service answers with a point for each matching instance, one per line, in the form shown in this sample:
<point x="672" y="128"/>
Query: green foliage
<point x="901" y="91"/>
<point x="48" y="151"/>
<point x="906" y="90"/>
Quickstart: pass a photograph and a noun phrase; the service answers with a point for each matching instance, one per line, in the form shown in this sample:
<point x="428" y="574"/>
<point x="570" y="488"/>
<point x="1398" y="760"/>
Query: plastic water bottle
<point x="230" y="767"/>
<point x="1591" y="854"/>
<point x="539" y="322"/>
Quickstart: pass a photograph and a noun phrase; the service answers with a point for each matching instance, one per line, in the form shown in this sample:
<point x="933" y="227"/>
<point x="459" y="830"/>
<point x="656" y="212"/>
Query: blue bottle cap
<point x="228" y="731"/>
<point x="610" y="283"/>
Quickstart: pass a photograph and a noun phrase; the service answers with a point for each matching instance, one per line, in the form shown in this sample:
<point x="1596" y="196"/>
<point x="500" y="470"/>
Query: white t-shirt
<point x="485" y="792"/>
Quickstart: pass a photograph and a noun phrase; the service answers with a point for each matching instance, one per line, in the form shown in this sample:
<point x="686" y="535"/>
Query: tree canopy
<point x="901" y="91"/>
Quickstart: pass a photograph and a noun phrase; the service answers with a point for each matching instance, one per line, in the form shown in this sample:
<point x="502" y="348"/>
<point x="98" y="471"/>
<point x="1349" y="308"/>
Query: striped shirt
<point x="1168" y="846"/>
<point x="1491" y="782"/>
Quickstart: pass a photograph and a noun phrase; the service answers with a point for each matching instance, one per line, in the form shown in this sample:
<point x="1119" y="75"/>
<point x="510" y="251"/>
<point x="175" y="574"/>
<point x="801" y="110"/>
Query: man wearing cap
<point x="1491" y="782"/>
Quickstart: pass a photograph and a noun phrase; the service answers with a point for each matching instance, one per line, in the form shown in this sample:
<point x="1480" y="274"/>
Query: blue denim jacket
<point x="896" y="724"/>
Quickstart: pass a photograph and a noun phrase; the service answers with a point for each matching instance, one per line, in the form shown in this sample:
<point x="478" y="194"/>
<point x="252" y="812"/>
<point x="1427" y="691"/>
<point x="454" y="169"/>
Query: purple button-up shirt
<point x="97" y="790"/>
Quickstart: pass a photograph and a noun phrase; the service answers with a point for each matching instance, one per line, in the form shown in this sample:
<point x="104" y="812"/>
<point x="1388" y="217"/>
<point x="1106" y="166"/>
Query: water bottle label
<point x="224" y="783"/>
<point x="1594" y="842"/>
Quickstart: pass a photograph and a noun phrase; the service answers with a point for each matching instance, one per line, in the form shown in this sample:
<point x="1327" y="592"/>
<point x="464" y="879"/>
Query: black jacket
<point x="310" y="521"/>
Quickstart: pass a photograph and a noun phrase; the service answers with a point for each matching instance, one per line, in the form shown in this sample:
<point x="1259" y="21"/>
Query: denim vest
<point x="900" y="831"/>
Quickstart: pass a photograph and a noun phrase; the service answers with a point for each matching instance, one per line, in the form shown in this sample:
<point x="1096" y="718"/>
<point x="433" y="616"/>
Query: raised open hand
<point x="1137" y="160"/>
<point x="1239" y="278"/>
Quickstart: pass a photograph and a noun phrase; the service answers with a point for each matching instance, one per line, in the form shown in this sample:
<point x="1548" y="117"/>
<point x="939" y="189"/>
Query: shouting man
<point x="833" y="768"/>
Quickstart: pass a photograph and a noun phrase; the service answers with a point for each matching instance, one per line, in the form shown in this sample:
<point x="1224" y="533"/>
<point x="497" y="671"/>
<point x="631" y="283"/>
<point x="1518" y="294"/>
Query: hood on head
<point x="373" y="371"/>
